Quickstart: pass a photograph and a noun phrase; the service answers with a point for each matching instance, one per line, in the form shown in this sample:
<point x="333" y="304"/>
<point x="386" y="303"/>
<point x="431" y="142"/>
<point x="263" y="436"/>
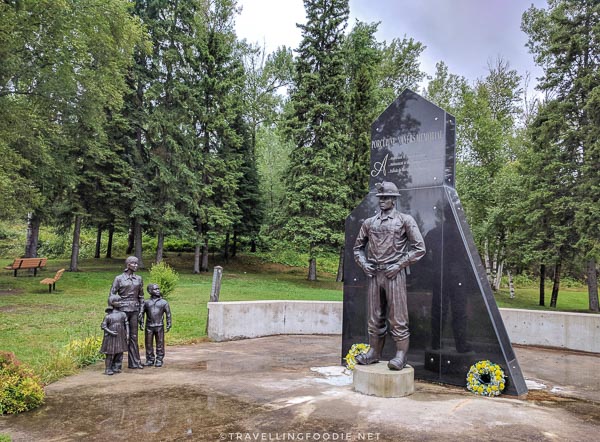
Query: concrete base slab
<point x="379" y="380"/>
<point x="265" y="390"/>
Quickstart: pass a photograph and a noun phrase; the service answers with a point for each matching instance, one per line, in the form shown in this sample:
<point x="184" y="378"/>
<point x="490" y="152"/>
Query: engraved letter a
<point x="379" y="167"/>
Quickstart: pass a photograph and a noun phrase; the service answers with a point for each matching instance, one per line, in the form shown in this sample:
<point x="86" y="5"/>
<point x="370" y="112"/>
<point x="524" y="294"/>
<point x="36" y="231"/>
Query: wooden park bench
<point x="27" y="263"/>
<point x="52" y="281"/>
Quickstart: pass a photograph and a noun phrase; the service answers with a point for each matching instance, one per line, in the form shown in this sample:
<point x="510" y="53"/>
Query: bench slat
<point x="27" y="263"/>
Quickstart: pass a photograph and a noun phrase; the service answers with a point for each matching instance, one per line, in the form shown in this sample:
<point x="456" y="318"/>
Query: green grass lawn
<point x="571" y="299"/>
<point x="35" y="324"/>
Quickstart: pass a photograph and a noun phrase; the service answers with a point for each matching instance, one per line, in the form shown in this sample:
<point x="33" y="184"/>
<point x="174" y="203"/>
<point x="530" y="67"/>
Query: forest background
<point x="152" y="121"/>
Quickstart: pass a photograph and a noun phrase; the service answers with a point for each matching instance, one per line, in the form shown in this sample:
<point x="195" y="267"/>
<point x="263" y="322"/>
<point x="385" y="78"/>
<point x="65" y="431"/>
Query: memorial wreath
<point x="486" y="379"/>
<point x="354" y="351"/>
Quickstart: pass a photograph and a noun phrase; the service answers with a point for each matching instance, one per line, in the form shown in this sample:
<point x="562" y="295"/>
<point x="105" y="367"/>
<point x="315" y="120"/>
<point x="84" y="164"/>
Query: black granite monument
<point x="453" y="318"/>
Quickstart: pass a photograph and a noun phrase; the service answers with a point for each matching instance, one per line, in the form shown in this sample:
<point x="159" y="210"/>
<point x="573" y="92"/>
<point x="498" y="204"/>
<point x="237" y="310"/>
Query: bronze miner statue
<point x="155" y="309"/>
<point x="386" y="245"/>
<point x="129" y="289"/>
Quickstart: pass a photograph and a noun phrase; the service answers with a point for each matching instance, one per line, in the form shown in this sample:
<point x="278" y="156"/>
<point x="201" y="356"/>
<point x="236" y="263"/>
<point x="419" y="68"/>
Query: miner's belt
<point x="383" y="266"/>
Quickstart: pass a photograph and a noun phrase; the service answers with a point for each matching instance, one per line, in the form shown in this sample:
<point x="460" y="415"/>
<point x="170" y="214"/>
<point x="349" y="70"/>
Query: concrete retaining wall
<point x="574" y="331"/>
<point x="241" y="320"/>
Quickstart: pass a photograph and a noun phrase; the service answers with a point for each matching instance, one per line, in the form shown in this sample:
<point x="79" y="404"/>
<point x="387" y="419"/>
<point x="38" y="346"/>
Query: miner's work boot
<point x="399" y="361"/>
<point x="374" y="353"/>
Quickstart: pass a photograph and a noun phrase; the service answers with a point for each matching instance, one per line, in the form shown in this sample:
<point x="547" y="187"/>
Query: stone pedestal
<point x="378" y="380"/>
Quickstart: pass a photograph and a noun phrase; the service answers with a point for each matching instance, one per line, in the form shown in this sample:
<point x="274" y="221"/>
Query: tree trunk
<point x="197" y="259"/>
<point x="130" y="238"/>
<point x="160" y="243"/>
<point x="498" y="279"/>
<point x="312" y="269"/>
<point x="198" y="247"/>
<point x="137" y="230"/>
<point x="226" y="248"/>
<point x="592" y="283"/>
<point x="234" y="244"/>
<point x="98" y="242"/>
<point x="204" y="265"/>
<point x="75" y="246"/>
<point x="556" y="285"/>
<point x="488" y="265"/>
<point x="542" y="284"/>
<point x="253" y="245"/>
<point x="340" y="272"/>
<point x="511" y="285"/>
<point x="33" y="234"/>
<point x="111" y="232"/>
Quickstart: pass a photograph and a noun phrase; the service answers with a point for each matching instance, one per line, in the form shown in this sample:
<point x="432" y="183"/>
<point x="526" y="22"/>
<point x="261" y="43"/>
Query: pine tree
<point x="564" y="39"/>
<point x="273" y="153"/>
<point x="265" y="76"/>
<point x="215" y="103"/>
<point x="102" y="58"/>
<point x="168" y="132"/>
<point x="62" y="71"/>
<point x="548" y="210"/>
<point x="317" y="191"/>
<point x="363" y="57"/>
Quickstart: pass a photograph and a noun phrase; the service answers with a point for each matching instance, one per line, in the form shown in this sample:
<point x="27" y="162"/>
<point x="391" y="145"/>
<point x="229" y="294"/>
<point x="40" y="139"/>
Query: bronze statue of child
<point x="155" y="310"/>
<point x="116" y="335"/>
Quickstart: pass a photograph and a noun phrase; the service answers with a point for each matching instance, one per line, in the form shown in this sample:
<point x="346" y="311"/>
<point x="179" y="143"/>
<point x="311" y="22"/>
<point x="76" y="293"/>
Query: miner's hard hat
<point x="386" y="188"/>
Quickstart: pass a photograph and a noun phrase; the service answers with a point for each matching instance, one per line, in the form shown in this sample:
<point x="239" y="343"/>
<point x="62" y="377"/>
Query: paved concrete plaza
<point x="291" y="388"/>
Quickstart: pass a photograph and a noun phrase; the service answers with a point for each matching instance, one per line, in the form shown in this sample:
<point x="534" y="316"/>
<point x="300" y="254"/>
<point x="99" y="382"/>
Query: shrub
<point x="164" y="275"/>
<point x="520" y="281"/>
<point x="78" y="353"/>
<point x="84" y="352"/>
<point x="283" y="253"/>
<point x="5" y="438"/>
<point x="20" y="389"/>
<point x="57" y="367"/>
<point x="571" y="283"/>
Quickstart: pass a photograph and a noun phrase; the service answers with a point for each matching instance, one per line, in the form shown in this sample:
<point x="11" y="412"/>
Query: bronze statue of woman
<point x="129" y="287"/>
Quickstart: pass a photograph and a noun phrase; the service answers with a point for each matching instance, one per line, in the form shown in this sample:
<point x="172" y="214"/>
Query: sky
<point x="464" y="34"/>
